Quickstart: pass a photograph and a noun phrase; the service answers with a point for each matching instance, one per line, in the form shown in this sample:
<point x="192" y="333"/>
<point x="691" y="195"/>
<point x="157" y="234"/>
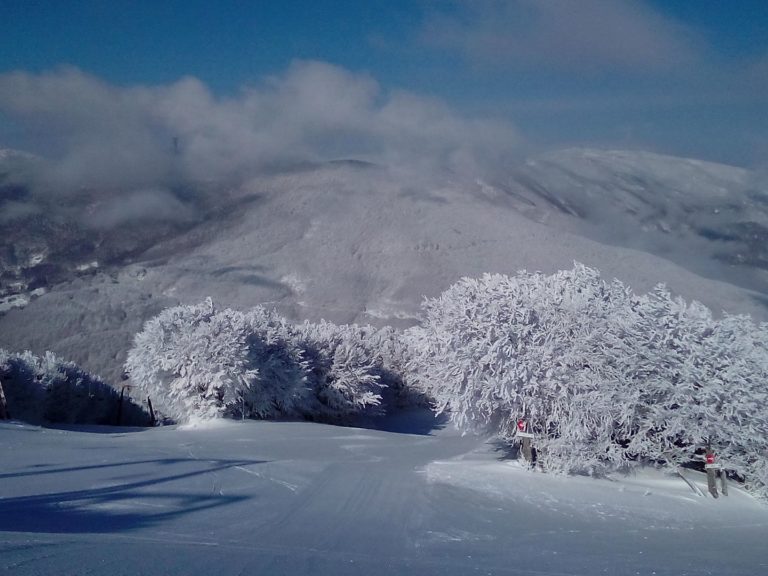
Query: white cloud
<point x="151" y="205"/>
<point x="11" y="210"/>
<point x="562" y="35"/>
<point x="121" y="138"/>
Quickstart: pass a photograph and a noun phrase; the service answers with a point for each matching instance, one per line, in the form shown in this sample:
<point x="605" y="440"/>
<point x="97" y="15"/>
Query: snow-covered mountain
<point x="710" y="218"/>
<point x="355" y="242"/>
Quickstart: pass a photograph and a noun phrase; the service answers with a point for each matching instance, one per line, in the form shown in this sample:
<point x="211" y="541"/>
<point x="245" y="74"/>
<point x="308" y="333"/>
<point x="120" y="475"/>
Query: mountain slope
<point x="354" y="242"/>
<point x="708" y="217"/>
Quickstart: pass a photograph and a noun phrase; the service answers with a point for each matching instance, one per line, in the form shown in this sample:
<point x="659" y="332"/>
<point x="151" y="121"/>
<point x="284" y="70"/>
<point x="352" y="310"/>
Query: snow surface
<point x="299" y="498"/>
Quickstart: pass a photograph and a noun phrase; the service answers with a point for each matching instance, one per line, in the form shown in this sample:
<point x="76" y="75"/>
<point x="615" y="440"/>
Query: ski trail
<point x="288" y="485"/>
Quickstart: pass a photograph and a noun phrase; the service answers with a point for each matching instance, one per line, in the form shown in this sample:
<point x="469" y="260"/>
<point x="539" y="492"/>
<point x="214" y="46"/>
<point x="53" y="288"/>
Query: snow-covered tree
<point x="200" y="362"/>
<point x="663" y="379"/>
<point x="191" y="360"/>
<point x="391" y="354"/>
<point x="343" y="373"/>
<point x="605" y="378"/>
<point x="497" y="349"/>
<point x="48" y="390"/>
<point x="281" y="387"/>
<point x="731" y="410"/>
<point x="692" y="381"/>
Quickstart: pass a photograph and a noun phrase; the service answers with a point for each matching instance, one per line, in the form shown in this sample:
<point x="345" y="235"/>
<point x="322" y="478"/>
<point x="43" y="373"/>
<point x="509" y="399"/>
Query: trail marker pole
<point x="713" y="470"/>
<point x="525" y="441"/>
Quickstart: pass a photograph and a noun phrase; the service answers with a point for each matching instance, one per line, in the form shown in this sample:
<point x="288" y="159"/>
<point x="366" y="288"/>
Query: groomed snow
<point x="299" y="498"/>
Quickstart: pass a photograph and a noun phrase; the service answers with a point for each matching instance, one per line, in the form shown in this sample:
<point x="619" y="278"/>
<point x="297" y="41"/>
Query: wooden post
<point x="526" y="444"/>
<point x="527" y="450"/>
<point x="119" y="419"/>
<point x="723" y="482"/>
<point x="4" y="414"/>
<point x="152" y="420"/>
<point x="711" y="468"/>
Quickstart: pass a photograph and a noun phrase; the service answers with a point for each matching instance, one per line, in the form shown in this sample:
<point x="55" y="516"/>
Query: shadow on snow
<point x="419" y="421"/>
<point x="120" y="507"/>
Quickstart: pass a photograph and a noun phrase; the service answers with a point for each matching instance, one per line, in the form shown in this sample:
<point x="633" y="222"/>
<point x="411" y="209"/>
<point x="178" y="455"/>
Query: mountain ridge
<point x="356" y="242"/>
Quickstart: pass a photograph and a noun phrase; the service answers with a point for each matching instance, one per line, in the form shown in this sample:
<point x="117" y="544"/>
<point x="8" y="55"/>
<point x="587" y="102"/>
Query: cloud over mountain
<point x="99" y="135"/>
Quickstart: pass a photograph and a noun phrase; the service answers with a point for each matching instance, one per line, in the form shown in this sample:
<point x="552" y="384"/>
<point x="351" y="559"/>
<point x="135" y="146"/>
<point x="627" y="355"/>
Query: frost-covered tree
<point x="391" y="354"/>
<point x="663" y="379"/>
<point x="191" y="360"/>
<point x="48" y="390"/>
<point x="604" y="378"/>
<point x="731" y="406"/>
<point x="692" y="381"/>
<point x="200" y="362"/>
<point x="343" y="374"/>
<point x="281" y="388"/>
<point x="497" y="349"/>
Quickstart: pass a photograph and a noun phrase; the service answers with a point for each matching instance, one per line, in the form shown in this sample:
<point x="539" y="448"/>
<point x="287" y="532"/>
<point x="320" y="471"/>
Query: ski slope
<point x="300" y="498"/>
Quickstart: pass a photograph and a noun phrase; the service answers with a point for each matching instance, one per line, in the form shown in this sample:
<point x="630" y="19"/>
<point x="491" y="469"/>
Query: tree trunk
<point x="152" y="420"/>
<point x="528" y="451"/>
<point x="119" y="419"/>
<point x="4" y="414"/>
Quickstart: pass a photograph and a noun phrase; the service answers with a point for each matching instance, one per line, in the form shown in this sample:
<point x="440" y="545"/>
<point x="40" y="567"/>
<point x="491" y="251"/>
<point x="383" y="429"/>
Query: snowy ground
<point x="300" y="498"/>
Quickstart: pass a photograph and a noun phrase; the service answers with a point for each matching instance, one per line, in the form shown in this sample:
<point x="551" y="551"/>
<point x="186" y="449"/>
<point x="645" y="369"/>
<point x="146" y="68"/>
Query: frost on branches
<point x="202" y="363"/>
<point x="342" y="373"/>
<point x="606" y="379"/>
<point x="197" y="362"/>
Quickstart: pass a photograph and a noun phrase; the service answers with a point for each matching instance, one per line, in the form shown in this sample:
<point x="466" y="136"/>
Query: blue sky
<point x="681" y="77"/>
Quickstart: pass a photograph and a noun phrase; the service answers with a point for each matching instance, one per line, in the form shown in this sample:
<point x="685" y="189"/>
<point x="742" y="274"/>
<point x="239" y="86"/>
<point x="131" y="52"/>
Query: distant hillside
<point x="710" y="218"/>
<point x="356" y="242"/>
